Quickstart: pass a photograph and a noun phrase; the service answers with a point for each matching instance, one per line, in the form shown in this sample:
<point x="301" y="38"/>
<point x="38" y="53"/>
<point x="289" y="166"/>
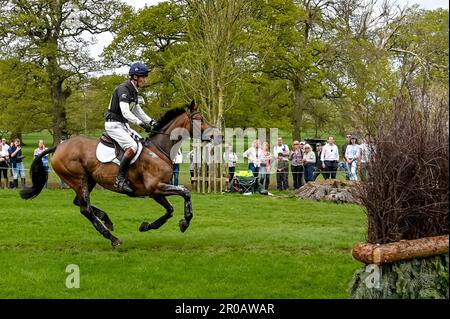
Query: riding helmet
<point x="139" y="69"/>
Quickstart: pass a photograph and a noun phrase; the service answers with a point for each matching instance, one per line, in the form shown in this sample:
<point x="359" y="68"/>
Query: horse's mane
<point x="168" y="117"/>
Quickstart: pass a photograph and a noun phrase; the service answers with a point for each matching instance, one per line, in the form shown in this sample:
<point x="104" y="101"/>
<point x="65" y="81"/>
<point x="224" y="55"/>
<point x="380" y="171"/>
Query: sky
<point x="105" y="39"/>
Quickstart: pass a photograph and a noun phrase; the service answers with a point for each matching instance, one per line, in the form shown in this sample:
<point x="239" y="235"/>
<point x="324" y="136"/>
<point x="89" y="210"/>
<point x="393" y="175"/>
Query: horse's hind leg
<point x="97" y="211"/>
<point x="87" y="211"/>
<point x="100" y="214"/>
<point x="162" y="200"/>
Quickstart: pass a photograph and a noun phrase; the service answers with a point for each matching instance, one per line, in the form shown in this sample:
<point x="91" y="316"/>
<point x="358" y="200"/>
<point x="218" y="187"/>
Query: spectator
<point x="329" y="158"/>
<point x="39" y="150"/>
<point x="17" y="165"/>
<point x="176" y="167"/>
<point x="4" y="145"/>
<point x="318" y="168"/>
<point x="254" y="155"/>
<point x="367" y="150"/>
<point x="283" y="149"/>
<point x="296" y="158"/>
<point x="344" y="148"/>
<point x="282" y="172"/>
<point x="191" y="166"/>
<point x="231" y="159"/>
<point x="265" y="166"/>
<point x="4" y="156"/>
<point x="309" y="163"/>
<point x="11" y="144"/>
<point x="353" y="156"/>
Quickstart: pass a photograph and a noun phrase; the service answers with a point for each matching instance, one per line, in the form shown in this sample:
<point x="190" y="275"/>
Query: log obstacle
<point x="401" y="250"/>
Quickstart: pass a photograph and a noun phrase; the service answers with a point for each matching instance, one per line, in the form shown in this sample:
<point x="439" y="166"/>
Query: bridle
<point x="191" y="120"/>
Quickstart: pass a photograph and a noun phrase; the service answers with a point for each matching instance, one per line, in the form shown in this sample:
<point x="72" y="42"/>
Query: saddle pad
<point x="107" y="154"/>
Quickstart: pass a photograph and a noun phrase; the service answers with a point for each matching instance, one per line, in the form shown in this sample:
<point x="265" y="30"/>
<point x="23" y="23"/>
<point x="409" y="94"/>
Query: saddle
<point x="106" y="140"/>
<point x="108" y="150"/>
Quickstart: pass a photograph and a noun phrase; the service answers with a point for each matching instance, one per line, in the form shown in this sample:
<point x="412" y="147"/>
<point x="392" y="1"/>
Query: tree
<point x="296" y="45"/>
<point x="53" y="35"/>
<point x="155" y="35"/>
<point x="88" y="104"/>
<point x="218" y="50"/>
<point x="25" y="103"/>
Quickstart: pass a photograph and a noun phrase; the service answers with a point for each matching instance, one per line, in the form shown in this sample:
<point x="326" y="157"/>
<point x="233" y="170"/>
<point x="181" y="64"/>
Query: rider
<point x="123" y="107"/>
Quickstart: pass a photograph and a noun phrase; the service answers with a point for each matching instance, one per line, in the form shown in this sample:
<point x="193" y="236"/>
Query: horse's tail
<point x="39" y="176"/>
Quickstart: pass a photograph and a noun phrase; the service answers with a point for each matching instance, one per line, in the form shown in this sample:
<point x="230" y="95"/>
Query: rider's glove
<point x="147" y="127"/>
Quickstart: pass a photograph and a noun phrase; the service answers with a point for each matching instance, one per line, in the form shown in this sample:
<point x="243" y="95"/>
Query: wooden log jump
<point x="401" y="250"/>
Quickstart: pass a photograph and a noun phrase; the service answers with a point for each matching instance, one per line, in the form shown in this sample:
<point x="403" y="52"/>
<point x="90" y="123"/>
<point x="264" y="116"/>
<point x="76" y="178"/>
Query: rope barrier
<point x="188" y="171"/>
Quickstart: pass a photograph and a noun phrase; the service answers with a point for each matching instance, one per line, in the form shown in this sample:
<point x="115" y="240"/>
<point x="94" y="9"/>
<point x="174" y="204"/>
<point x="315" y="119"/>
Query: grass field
<point x="237" y="247"/>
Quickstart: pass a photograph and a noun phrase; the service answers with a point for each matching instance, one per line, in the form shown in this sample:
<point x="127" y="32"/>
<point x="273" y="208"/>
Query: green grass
<point x="237" y="247"/>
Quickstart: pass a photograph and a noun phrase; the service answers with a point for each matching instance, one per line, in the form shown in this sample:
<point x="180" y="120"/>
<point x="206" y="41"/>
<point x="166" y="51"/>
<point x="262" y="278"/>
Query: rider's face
<point x="140" y="81"/>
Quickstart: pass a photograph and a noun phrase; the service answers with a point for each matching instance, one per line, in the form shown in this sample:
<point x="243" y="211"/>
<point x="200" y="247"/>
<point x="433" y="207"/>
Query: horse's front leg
<point x="169" y="190"/>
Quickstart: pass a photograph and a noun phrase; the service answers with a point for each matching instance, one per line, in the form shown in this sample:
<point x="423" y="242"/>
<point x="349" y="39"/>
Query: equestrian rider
<point x="123" y="107"/>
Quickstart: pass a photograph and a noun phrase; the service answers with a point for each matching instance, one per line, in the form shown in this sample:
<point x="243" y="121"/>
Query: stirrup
<point x="123" y="185"/>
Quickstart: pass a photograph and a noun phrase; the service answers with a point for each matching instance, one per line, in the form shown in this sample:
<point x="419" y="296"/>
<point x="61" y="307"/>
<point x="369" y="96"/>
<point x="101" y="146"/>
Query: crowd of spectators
<point x="304" y="162"/>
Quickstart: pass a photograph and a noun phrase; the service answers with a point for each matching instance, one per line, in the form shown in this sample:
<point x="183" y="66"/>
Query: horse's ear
<point x="193" y="106"/>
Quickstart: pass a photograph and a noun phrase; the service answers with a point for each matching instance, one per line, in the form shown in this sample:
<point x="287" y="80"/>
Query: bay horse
<point x="75" y="162"/>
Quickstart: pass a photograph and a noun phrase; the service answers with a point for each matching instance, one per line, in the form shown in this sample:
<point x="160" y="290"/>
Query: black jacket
<point x="125" y="92"/>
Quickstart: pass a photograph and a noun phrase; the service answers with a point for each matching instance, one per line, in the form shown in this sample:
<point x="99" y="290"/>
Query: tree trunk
<point x="401" y="250"/>
<point x="58" y="98"/>
<point x="220" y="103"/>
<point x="298" y="111"/>
<point x="59" y="113"/>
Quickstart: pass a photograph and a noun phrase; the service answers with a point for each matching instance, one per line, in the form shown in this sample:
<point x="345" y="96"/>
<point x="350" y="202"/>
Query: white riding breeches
<point x="123" y="134"/>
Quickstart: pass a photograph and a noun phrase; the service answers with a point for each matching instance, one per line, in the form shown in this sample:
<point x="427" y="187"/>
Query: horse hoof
<point x="116" y="242"/>
<point x="144" y="227"/>
<point x="183" y="225"/>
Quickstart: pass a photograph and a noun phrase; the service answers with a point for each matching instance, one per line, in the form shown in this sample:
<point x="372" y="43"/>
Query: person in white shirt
<point x="266" y="162"/>
<point x="176" y="167"/>
<point x="4" y="145"/>
<point x="329" y="158"/>
<point x="309" y="163"/>
<point x="4" y="156"/>
<point x="254" y="155"/>
<point x="353" y="158"/>
<point x="281" y="148"/>
<point x="367" y="151"/>
<point x="230" y="158"/>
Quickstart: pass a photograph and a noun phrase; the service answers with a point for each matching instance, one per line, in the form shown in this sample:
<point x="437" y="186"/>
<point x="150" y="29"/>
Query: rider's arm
<point x="137" y="110"/>
<point x="125" y="108"/>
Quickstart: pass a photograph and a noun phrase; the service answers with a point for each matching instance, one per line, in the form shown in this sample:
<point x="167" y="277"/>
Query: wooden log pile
<point x="333" y="190"/>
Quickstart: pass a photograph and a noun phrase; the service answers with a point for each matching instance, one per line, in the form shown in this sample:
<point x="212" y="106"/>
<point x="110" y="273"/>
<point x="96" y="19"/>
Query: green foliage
<point x="26" y="105"/>
<point x="87" y="106"/>
<point x="420" y="278"/>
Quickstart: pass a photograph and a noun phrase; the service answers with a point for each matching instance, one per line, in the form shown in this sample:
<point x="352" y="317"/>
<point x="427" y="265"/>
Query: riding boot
<point x="16" y="183"/>
<point x="121" y="180"/>
<point x="23" y="182"/>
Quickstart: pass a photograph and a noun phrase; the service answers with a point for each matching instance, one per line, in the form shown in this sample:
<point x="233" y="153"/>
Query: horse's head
<point x="180" y="124"/>
<point x="199" y="127"/>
